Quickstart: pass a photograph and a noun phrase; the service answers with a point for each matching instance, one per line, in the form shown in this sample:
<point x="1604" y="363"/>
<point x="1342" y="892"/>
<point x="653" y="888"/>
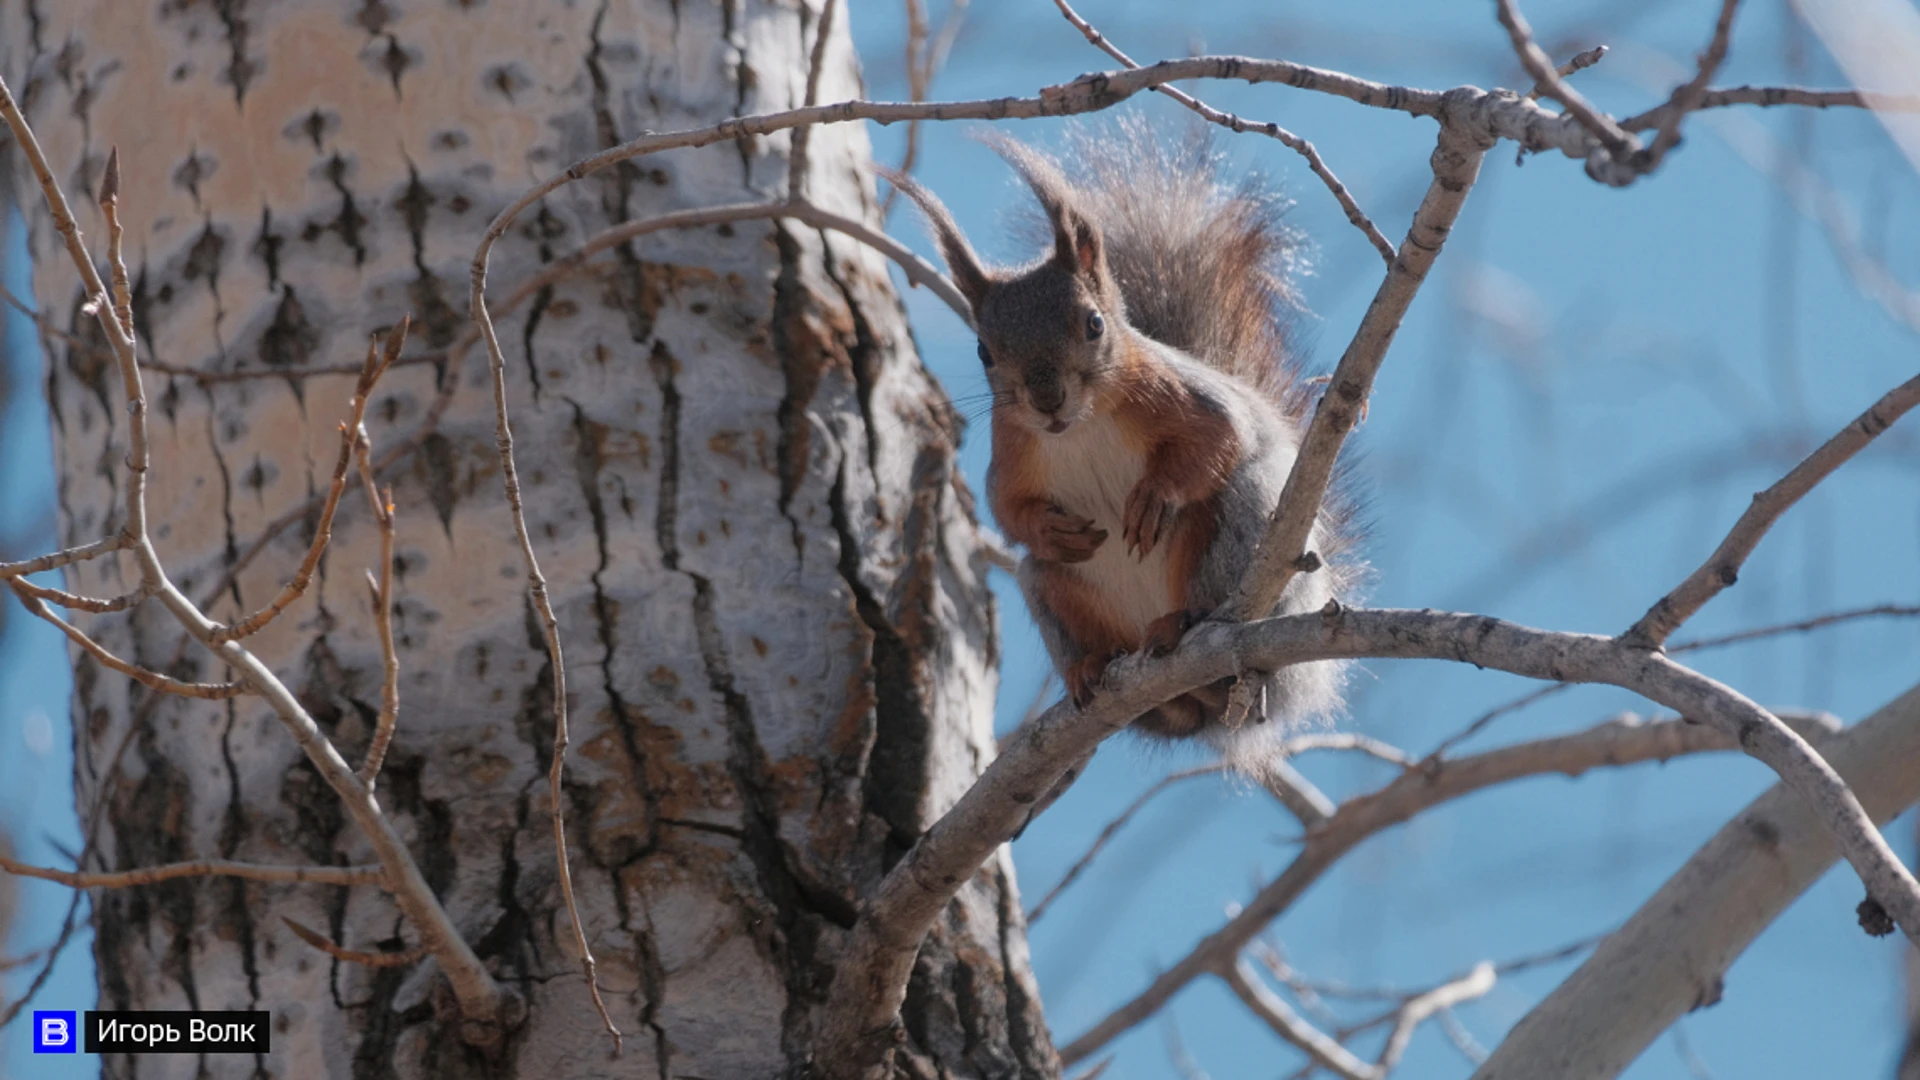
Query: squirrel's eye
<point x="985" y="356"/>
<point x="1095" y="325"/>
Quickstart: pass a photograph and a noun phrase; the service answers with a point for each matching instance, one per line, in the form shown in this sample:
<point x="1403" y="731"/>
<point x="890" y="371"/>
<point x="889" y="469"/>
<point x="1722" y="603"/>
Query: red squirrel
<point x="1146" y="412"/>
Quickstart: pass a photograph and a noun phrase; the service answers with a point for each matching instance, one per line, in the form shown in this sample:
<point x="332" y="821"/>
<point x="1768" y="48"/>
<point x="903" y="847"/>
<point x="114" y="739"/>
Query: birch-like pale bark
<point x="1673" y="954"/>
<point x="741" y="483"/>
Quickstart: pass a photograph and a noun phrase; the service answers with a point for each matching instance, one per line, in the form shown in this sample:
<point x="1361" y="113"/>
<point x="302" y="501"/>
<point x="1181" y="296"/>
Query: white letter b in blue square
<point x="55" y="1032"/>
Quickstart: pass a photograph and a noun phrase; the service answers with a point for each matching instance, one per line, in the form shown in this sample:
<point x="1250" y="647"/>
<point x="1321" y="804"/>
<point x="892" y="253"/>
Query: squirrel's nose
<point x="1047" y="398"/>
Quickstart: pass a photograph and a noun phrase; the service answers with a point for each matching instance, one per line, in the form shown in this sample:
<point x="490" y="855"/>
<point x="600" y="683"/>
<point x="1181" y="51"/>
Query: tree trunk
<point x="740" y="481"/>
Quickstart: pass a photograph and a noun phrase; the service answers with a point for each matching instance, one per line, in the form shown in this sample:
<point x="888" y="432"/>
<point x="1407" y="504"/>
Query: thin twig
<point x="379" y="359"/>
<point x="1107" y="834"/>
<point x="1480" y="723"/>
<point x="151" y="875"/>
<point x="76" y="602"/>
<point x="1687" y="97"/>
<point x="1236" y="124"/>
<point x="1773" y="96"/>
<point x="797" y="157"/>
<point x="65" y="557"/>
<point x="1547" y="82"/>
<point x="1897" y="611"/>
<point x="1271" y="1008"/>
<point x="550" y="631"/>
<point x="9" y="963"/>
<point x="405" y="958"/>
<point x="1617" y="742"/>
<point x="151" y="679"/>
<point x="1580" y="62"/>
<point x="1475" y="984"/>
<point x="52" y="957"/>
<point x="1350" y="741"/>
<point x="924" y="60"/>
<point x="1722" y="568"/>
<point x="380" y="596"/>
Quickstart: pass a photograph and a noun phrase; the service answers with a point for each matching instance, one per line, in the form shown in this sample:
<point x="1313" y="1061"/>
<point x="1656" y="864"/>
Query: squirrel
<point x="1146" y="414"/>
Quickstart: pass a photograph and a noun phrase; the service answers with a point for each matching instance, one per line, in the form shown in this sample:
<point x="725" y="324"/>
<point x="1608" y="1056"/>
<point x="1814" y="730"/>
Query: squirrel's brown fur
<point x="1147" y="409"/>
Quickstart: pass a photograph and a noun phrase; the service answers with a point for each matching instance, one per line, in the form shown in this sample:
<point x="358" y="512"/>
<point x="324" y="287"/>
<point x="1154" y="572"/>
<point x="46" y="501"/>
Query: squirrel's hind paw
<point x="1164" y="633"/>
<point x="1083" y="676"/>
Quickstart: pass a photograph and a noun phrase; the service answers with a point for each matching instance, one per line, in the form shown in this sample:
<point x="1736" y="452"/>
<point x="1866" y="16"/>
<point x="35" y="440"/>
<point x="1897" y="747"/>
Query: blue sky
<point x="1586" y="392"/>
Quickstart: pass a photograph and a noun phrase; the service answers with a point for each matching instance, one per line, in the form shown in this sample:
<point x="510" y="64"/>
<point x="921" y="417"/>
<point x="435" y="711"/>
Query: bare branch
<point x="1305" y="801"/>
<point x="1580" y="62"/>
<point x="1240" y="126"/>
<point x="1547" y="82"/>
<point x="1622" y="741"/>
<point x="1687" y="97"/>
<point x="1722" y="568"/>
<point x="1347" y="740"/>
<point x="52" y="956"/>
<point x="1456" y="164"/>
<point x="407" y="958"/>
<point x="76" y="602"/>
<point x="380" y="597"/>
<point x="924" y="59"/>
<point x="58" y="559"/>
<point x="1481" y="722"/>
<point x="316" y="875"/>
<point x="378" y="360"/>
<point x="797" y="157"/>
<point x="1772" y="96"/>
<point x="1800" y="627"/>
<point x="1113" y="827"/>
<point x="1475" y="984"/>
<point x="550" y="630"/>
<point x="1671" y="955"/>
<point x="152" y="679"/>
<point x="1271" y="1008"/>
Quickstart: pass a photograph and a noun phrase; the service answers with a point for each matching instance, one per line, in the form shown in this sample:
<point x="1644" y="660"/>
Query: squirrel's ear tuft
<point x="1077" y="246"/>
<point x="1077" y="243"/>
<point x="971" y="278"/>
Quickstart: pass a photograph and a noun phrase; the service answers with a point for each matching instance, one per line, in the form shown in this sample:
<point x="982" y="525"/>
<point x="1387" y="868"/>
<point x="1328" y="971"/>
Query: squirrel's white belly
<point x="1090" y="471"/>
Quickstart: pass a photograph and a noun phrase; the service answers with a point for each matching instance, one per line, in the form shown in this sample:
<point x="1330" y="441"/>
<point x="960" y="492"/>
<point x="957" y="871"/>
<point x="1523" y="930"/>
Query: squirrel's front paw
<point x="1083" y="676"/>
<point x="1150" y="514"/>
<point x="1067" y="537"/>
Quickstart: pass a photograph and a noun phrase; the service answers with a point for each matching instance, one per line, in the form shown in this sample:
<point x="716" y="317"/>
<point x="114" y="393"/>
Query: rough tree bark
<point x="741" y="482"/>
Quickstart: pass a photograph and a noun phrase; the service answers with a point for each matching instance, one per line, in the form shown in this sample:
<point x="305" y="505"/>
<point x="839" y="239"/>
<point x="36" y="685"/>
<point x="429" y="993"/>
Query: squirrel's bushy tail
<point x="1204" y="266"/>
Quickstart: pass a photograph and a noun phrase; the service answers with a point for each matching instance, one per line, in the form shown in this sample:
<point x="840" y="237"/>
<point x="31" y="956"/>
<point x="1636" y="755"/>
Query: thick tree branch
<point x="1672" y="955"/>
<point x="1456" y="164"/>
